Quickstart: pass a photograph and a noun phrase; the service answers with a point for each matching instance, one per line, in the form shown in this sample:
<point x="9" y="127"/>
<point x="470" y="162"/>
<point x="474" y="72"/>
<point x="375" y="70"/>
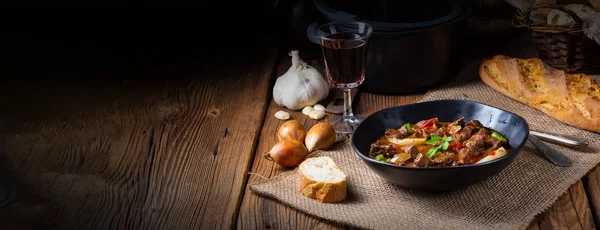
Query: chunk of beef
<point x="463" y="134"/>
<point x="427" y="132"/>
<point x="440" y="132"/>
<point x="394" y="133"/>
<point x="411" y="150"/>
<point x="460" y="122"/>
<point x="466" y="132"/>
<point x="387" y="149"/>
<point x="444" y="159"/>
<point x="475" y="123"/>
<point x="421" y="160"/>
<point x="472" y="147"/>
<point x="477" y="140"/>
<point x="465" y="154"/>
<point x="451" y="130"/>
<point x="494" y="143"/>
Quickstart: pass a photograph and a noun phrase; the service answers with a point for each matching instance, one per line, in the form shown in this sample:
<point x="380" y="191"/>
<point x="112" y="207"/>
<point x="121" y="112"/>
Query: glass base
<point x="346" y="126"/>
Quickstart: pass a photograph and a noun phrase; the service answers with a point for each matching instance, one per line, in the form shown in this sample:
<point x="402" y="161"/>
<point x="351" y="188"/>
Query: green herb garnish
<point x="381" y="158"/>
<point x="432" y="151"/>
<point x="408" y="127"/>
<point x="435" y="139"/>
<point x="431" y="141"/>
<point x="445" y="145"/>
<point x="498" y="136"/>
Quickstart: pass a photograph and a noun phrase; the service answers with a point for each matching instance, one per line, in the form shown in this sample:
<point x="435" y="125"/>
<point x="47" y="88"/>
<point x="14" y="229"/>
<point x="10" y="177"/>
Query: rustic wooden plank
<point x="570" y="211"/>
<point x="371" y="103"/>
<point x="139" y="154"/>
<point x="581" y="204"/>
<point x="592" y="182"/>
<point x="534" y="225"/>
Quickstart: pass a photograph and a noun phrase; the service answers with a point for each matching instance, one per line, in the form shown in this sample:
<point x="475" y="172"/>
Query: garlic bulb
<point x="302" y="85"/>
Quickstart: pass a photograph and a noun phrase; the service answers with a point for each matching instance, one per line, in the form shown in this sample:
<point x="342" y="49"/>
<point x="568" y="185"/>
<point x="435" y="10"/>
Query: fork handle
<point x="559" y="139"/>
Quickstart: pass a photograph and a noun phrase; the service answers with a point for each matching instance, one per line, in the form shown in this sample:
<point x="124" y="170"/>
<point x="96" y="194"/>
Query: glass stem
<point x="347" y="105"/>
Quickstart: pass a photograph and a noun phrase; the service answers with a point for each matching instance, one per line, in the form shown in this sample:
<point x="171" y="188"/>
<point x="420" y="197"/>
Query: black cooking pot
<point x="414" y="47"/>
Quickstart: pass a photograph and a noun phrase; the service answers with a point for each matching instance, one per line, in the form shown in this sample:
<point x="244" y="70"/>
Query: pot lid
<point x="391" y="16"/>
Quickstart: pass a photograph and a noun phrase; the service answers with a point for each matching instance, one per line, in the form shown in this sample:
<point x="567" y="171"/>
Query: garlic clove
<point x="282" y="115"/>
<point x="307" y="110"/>
<point x="317" y="114"/>
<point x="319" y="107"/>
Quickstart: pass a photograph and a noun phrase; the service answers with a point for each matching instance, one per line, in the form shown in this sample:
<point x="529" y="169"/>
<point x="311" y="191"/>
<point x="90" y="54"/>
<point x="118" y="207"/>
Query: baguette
<point x="571" y="98"/>
<point x="322" y="179"/>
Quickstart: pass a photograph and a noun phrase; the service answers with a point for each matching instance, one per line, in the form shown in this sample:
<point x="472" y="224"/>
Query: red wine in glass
<point x="344" y="46"/>
<point x="345" y="55"/>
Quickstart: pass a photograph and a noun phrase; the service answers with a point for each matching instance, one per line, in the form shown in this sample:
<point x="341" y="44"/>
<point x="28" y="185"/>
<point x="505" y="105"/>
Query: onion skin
<point x="291" y="130"/>
<point x="320" y="137"/>
<point x="287" y="153"/>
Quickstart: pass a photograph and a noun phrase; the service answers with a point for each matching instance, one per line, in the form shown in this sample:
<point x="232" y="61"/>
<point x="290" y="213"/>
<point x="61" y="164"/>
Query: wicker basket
<point x="562" y="47"/>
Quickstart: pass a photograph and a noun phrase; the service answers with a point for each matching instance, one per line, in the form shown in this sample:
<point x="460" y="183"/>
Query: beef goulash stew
<point x="434" y="144"/>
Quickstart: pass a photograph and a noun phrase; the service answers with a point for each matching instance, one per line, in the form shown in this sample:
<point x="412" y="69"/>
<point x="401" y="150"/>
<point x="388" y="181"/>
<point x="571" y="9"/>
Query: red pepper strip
<point x="492" y="153"/>
<point x="455" y="146"/>
<point x="428" y="123"/>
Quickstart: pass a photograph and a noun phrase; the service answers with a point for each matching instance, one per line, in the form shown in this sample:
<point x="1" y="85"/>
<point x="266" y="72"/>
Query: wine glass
<point x="344" y="46"/>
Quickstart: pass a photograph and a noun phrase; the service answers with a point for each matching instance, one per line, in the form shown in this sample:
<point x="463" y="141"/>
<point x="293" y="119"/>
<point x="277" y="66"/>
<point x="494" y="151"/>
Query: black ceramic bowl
<point x="510" y="125"/>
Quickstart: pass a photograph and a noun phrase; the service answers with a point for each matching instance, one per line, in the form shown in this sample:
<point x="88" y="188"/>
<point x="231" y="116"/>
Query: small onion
<point x="291" y="130"/>
<point x="321" y="136"/>
<point x="287" y="153"/>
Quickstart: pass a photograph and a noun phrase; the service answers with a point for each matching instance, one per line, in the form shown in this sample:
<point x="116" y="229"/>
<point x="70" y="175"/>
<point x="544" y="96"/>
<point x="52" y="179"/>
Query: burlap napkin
<point x="510" y="200"/>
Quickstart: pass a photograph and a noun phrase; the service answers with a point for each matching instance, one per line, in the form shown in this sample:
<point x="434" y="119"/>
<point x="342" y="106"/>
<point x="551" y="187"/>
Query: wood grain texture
<point x="592" y="182"/>
<point x="139" y="154"/>
<point x="534" y="225"/>
<point x="570" y="211"/>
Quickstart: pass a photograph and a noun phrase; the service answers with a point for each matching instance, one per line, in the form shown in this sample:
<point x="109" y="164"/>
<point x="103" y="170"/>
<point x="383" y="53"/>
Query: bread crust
<point x="571" y="98"/>
<point x="323" y="192"/>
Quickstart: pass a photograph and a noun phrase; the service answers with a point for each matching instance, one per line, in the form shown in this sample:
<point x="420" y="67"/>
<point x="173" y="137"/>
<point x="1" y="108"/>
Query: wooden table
<point x="171" y="146"/>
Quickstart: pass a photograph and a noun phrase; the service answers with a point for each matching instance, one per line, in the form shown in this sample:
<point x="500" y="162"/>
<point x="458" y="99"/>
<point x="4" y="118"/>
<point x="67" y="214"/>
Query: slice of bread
<point x="322" y="179"/>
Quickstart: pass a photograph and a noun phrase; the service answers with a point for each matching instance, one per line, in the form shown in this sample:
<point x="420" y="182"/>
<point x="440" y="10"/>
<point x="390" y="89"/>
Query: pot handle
<point x="311" y="33"/>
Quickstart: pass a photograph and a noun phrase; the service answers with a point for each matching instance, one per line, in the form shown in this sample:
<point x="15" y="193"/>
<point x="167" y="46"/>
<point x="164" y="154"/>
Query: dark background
<point x="62" y="39"/>
<point x="87" y="39"/>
